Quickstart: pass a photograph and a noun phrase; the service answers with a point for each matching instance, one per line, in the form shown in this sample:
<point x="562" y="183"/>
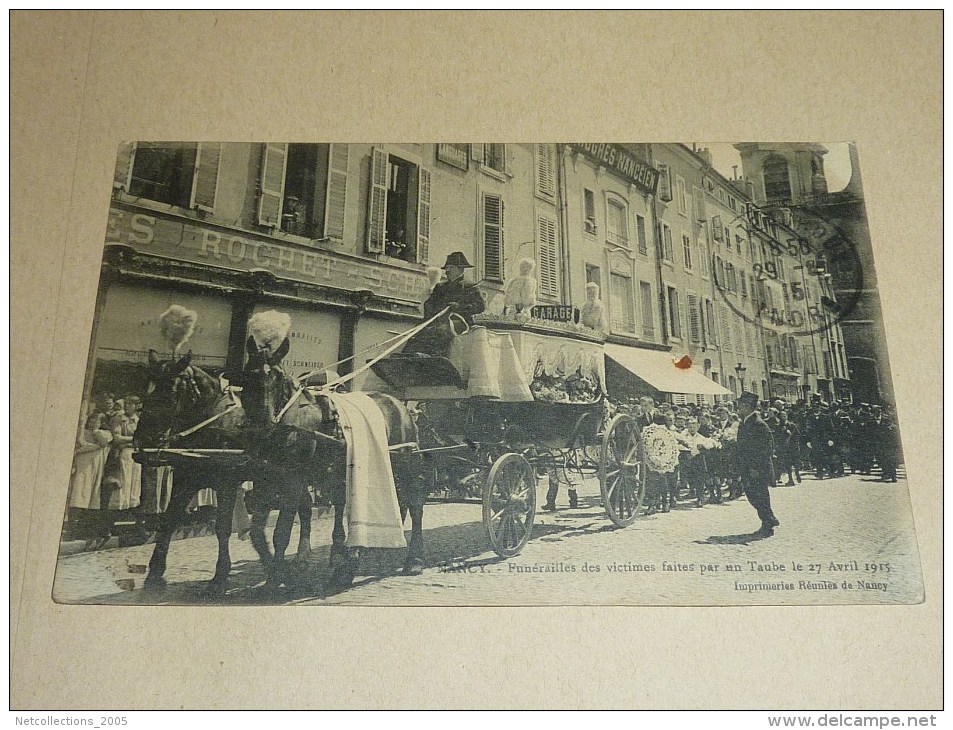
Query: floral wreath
<point x="661" y="448"/>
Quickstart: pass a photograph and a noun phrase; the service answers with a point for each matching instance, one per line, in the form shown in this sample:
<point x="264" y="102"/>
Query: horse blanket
<point x="372" y="513"/>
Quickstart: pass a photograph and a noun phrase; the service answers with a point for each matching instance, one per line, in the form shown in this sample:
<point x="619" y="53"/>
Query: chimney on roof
<point x="705" y="154"/>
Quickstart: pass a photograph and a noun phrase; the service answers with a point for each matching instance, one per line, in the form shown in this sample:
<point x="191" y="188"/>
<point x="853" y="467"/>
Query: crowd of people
<point x="829" y="440"/>
<point x="108" y="488"/>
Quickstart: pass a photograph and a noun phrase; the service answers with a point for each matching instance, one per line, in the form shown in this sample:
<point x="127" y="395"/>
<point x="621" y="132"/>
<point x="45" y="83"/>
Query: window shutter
<point x="712" y="324"/>
<point x="124" y="157"/>
<point x="423" y="217"/>
<point x="725" y="333"/>
<point x="717" y="230"/>
<point x="648" y="303"/>
<point x="545" y="170"/>
<point x="476" y="152"/>
<point x="664" y="183"/>
<point x="205" y="181"/>
<point x="273" y="163"/>
<point x="694" y="319"/>
<point x="377" y="202"/>
<point x="699" y="197"/>
<point x="493" y="237"/>
<point x="336" y="199"/>
<point x="548" y="259"/>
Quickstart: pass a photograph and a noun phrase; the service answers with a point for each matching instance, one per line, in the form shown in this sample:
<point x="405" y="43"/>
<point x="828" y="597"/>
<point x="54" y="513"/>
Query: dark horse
<point x="183" y="396"/>
<point x="305" y="443"/>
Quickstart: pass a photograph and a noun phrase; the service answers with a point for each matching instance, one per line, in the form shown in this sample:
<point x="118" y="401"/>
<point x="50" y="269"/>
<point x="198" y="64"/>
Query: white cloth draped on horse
<point x="372" y="513"/>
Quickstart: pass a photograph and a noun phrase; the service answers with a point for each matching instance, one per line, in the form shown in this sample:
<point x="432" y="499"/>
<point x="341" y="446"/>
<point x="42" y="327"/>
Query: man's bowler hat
<point x="458" y="259"/>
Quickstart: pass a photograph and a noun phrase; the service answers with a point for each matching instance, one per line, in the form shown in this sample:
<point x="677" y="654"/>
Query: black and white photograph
<point x="637" y="408"/>
<point x="487" y="374"/>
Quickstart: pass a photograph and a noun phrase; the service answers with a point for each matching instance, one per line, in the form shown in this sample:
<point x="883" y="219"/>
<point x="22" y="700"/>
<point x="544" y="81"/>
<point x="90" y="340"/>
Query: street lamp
<point x="740" y="369"/>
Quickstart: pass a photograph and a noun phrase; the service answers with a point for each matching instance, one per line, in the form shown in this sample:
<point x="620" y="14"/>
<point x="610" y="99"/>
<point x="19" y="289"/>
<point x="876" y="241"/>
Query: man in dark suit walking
<point x="753" y="457"/>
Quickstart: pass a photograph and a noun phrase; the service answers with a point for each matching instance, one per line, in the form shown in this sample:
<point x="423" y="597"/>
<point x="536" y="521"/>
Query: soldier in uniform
<point x="462" y="298"/>
<point x="753" y="457"/>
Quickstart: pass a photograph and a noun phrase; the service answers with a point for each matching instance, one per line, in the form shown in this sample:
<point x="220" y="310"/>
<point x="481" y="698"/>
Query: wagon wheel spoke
<point x="509" y="503"/>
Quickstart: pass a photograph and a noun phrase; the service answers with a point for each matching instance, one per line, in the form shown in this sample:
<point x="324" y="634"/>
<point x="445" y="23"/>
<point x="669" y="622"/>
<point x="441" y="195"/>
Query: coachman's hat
<point x="750" y="399"/>
<point x="458" y="259"/>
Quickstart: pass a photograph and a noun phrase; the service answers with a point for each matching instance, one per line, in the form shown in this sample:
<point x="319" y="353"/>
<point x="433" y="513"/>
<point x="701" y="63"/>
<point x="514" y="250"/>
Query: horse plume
<point x="176" y="326"/>
<point x="269" y="329"/>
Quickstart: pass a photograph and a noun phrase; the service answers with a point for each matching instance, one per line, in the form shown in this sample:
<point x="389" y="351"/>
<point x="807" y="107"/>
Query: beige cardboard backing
<point x="80" y="82"/>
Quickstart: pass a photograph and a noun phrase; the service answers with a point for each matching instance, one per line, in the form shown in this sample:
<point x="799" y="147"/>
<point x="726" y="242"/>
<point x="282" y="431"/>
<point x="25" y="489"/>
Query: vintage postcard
<point x="487" y="374"/>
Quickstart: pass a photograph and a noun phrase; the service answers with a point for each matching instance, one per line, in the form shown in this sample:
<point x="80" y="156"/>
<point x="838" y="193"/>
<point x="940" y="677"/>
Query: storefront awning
<point x="658" y="370"/>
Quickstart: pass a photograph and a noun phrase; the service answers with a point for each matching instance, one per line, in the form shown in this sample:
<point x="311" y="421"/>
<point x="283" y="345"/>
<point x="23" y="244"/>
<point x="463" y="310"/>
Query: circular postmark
<point x="805" y="284"/>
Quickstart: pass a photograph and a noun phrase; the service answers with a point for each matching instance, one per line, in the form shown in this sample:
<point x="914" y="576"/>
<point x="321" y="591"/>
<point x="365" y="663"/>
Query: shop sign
<point x="641" y="174"/>
<point x="186" y="241"/>
<point x="556" y="312"/>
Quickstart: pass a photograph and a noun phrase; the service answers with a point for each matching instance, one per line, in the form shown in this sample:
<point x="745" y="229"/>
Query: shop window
<point x="180" y="174"/>
<point x="617" y="230"/>
<point x="303" y="189"/>
<point x="622" y="304"/>
<point x="674" y="320"/>
<point x="648" y="306"/>
<point x="398" y="222"/>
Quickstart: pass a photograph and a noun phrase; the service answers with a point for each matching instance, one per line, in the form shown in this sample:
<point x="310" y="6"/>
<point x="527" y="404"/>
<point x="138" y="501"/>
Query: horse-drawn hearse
<point x="508" y="405"/>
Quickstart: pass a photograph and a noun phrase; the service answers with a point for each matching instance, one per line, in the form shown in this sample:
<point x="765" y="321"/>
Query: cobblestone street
<point x="852" y="537"/>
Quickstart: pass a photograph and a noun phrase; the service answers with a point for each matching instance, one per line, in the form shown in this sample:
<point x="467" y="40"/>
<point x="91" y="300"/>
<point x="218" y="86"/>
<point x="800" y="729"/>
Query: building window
<point x="681" y="196"/>
<point x="727" y="238"/>
<point x="548" y="248"/>
<point x="589" y="210"/>
<point x="594" y="275"/>
<point x="399" y="208"/>
<point x="640" y="231"/>
<point x="494" y="156"/>
<point x="777" y="183"/>
<point x="617" y="231"/>
<point x="163" y="172"/>
<point x="731" y="280"/>
<point x="744" y="284"/>
<point x="493" y="257"/>
<point x="303" y="189"/>
<point x="711" y="330"/>
<point x="546" y="171"/>
<point x="455" y="154"/>
<point x="648" y="307"/>
<point x="622" y="305"/>
<point x="687" y="251"/>
<point x="668" y="249"/>
<point x="717" y="228"/>
<point x="674" y="320"/>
